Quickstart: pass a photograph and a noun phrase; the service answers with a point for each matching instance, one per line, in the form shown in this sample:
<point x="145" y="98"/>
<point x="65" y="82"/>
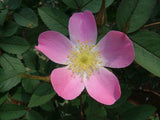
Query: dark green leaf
<point x="11" y="111"/>
<point x="33" y="115"/>
<point x="54" y="19"/>
<point x="147" y="50"/>
<point x="30" y="85"/>
<point x="72" y="3"/>
<point x="21" y="95"/>
<point x="8" y="80"/>
<point x="133" y="14"/>
<point x="48" y="106"/>
<point x="13" y="4"/>
<point x="141" y="112"/>
<point x="3" y="98"/>
<point x="1" y="5"/>
<point x="26" y="17"/>
<point x="42" y="95"/>
<point x="8" y="29"/>
<point x="30" y="59"/>
<point x="94" y="111"/>
<point x="3" y="14"/>
<point x="125" y="107"/>
<point x="102" y="31"/>
<point x="11" y="63"/>
<point x="14" y="45"/>
<point x="95" y="5"/>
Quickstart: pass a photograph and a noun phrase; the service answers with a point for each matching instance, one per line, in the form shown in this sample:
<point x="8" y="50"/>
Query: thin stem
<point x="45" y="78"/>
<point x="81" y="107"/>
<point x="154" y="92"/>
<point x="156" y="23"/>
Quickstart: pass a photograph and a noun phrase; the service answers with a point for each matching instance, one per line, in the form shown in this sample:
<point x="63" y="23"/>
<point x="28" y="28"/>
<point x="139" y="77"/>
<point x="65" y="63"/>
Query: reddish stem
<point x="81" y="107"/>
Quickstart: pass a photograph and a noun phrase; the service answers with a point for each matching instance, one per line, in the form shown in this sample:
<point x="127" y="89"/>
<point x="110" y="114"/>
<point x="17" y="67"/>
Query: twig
<point x="154" y="92"/>
<point x="156" y="23"/>
<point x="46" y="78"/>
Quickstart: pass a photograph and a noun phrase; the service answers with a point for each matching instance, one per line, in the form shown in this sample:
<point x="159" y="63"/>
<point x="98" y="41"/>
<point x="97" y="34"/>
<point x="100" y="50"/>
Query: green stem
<point x="45" y="78"/>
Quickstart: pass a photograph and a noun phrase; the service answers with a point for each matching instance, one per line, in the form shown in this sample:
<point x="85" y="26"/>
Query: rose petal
<point x="54" y="45"/>
<point x="103" y="86"/>
<point x="116" y="49"/>
<point x="82" y="27"/>
<point x="66" y="84"/>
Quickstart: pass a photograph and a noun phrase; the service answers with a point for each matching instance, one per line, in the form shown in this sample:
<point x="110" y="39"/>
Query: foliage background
<point x="25" y="91"/>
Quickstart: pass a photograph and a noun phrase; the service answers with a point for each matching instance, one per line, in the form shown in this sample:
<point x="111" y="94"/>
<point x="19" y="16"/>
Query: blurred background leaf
<point x="141" y="112"/>
<point x="14" y="45"/>
<point x="54" y="19"/>
<point x="26" y="17"/>
<point x="11" y="111"/>
<point x="133" y="14"/>
<point x="147" y="50"/>
<point x="42" y="94"/>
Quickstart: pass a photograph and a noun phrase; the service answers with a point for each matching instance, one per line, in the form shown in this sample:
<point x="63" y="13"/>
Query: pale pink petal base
<point x="104" y="87"/>
<point x="54" y="45"/>
<point x="82" y="27"/>
<point x="116" y="50"/>
<point x="66" y="84"/>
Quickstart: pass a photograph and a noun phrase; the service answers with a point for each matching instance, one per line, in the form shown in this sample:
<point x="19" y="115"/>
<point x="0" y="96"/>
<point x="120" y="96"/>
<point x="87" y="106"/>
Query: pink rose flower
<point x="85" y="60"/>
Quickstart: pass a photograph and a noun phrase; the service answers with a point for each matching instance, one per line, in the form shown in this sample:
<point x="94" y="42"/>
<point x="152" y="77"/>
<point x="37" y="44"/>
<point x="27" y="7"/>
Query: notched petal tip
<point x="82" y="26"/>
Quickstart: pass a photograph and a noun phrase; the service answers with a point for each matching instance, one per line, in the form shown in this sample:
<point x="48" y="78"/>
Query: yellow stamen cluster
<point x="84" y="59"/>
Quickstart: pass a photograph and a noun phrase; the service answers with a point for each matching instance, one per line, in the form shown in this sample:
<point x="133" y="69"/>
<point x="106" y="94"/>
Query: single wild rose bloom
<point x="85" y="60"/>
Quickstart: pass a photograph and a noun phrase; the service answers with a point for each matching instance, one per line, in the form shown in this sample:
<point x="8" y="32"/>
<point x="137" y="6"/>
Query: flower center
<point x="84" y="59"/>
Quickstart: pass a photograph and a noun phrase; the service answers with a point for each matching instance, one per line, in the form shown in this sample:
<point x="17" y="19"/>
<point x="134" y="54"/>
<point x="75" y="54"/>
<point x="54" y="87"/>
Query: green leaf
<point x="141" y="112"/>
<point x="94" y="111"/>
<point x="3" y="98"/>
<point x="133" y="14"/>
<point x="30" y="85"/>
<point x="8" y="80"/>
<point x="30" y="59"/>
<point x="102" y="31"/>
<point x="26" y="17"/>
<point x="8" y="29"/>
<point x="14" y="45"/>
<point x="1" y="5"/>
<point x="48" y="106"/>
<point x="11" y="111"/>
<point x="72" y="3"/>
<point x="33" y="115"/>
<point x="54" y="19"/>
<point x="42" y="95"/>
<point x="11" y="63"/>
<point x="95" y="5"/>
<point x="13" y="4"/>
<point x="92" y="5"/>
<point x="147" y="50"/>
<point x="3" y="14"/>
<point x="21" y="95"/>
<point x="124" y="107"/>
